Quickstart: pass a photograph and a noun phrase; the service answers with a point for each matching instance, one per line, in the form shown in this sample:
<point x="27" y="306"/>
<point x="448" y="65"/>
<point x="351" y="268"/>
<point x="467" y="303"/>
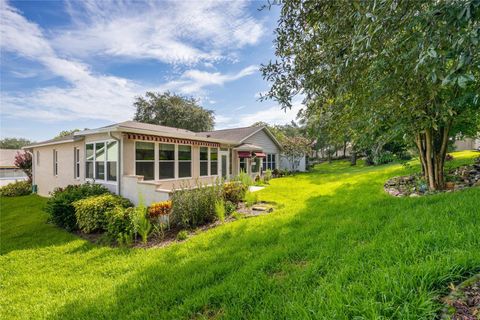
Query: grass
<point x="337" y="247"/>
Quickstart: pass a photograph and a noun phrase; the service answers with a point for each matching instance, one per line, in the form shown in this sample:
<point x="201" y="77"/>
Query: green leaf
<point x="462" y="81"/>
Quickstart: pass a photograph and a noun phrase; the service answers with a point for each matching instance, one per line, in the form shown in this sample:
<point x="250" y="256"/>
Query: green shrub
<point x="140" y="222"/>
<point x="245" y="179"/>
<point x="251" y="198"/>
<point x="384" y="158"/>
<point x="220" y="210"/>
<point x="234" y="191"/>
<point x="59" y="206"/>
<point x="267" y="175"/>
<point x="119" y="225"/>
<point x="229" y="207"/>
<point x="195" y="207"/>
<point x="19" y="188"/>
<point x="182" y="235"/>
<point x="91" y="212"/>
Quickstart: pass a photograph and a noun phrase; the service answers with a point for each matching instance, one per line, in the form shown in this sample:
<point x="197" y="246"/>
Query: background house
<point x="8" y="171"/>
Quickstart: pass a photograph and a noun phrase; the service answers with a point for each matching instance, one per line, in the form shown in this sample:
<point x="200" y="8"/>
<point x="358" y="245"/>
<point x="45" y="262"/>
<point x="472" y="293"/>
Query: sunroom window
<point x="112" y="158"/>
<point x="166" y="161"/>
<point x="100" y="160"/>
<point x="145" y="160"/>
<point x="184" y="161"/>
<point x="89" y="160"/>
<point x="214" y="161"/>
<point x="203" y="161"/>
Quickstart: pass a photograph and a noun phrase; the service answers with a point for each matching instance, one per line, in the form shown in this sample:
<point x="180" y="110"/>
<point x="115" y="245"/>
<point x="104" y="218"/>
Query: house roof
<point x="7" y="158"/>
<point x="235" y="134"/>
<point x="64" y="139"/>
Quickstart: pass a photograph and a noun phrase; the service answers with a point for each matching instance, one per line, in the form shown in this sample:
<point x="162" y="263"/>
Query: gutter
<point x="119" y="170"/>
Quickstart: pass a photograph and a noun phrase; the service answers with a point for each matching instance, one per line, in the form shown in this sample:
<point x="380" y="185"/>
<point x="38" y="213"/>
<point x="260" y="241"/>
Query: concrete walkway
<point x="255" y="188"/>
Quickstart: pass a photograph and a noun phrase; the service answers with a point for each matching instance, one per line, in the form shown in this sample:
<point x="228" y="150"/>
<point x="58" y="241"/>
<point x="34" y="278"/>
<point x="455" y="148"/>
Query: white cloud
<point x="182" y="32"/>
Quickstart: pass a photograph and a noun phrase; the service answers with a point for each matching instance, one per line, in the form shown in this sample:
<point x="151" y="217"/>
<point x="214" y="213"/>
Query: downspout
<point x="119" y="170"/>
<point x="33" y="166"/>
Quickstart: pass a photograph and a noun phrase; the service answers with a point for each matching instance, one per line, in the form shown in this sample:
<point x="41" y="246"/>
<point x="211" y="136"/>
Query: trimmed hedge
<point x="19" y="188"/>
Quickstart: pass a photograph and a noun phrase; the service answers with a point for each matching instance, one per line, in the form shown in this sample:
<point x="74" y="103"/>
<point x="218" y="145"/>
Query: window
<point x="255" y="165"/>
<point x="112" y="158"/>
<point x="55" y="162"/>
<point x="145" y="160"/>
<point x="89" y="158"/>
<point x="100" y="158"/>
<point x="166" y="158"/>
<point x="243" y="164"/>
<point x="38" y="158"/>
<point x="184" y="161"/>
<point x="269" y="162"/>
<point x="213" y="161"/>
<point x="76" y="163"/>
<point x="203" y="161"/>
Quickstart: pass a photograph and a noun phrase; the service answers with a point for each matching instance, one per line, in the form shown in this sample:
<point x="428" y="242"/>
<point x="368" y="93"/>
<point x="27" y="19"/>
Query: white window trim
<point x="177" y="161"/>
<point x="76" y="163"/>
<point x="200" y="161"/>
<point x="104" y="180"/>
<point x="210" y="161"/>
<point x="55" y="162"/>
<point x="158" y="161"/>
<point x="155" y="158"/>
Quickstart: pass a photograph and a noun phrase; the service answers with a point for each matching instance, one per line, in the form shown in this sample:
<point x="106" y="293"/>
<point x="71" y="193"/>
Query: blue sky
<point x="80" y="64"/>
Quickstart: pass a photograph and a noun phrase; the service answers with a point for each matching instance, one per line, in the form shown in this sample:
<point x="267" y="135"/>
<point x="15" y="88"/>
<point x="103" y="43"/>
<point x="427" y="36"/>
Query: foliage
<point x="91" y="212"/>
<point x="140" y="222"/>
<point x="220" y="210"/>
<point x="376" y="71"/>
<point x="182" y="235"/>
<point x="244" y="178"/>
<point x="14" y="143"/>
<point x="394" y="257"/>
<point x="119" y="225"/>
<point x="173" y="110"/>
<point x="229" y="207"/>
<point x="195" y="207"/>
<point x="234" y="191"/>
<point x="251" y="198"/>
<point x="267" y="175"/>
<point x="23" y="160"/>
<point x="65" y="133"/>
<point x="162" y="208"/>
<point x="294" y="149"/>
<point x="15" y="189"/>
<point x="59" y="206"/>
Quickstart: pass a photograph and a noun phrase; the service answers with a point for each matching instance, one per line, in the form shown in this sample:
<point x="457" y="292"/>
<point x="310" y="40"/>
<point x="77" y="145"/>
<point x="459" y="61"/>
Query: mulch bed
<point x="463" y="303"/>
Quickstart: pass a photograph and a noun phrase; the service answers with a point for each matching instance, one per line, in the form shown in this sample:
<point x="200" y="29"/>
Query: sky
<point x="80" y="64"/>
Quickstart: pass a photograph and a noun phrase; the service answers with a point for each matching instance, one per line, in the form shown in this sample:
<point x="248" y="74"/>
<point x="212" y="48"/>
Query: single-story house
<point x="9" y="173"/>
<point x="136" y="159"/>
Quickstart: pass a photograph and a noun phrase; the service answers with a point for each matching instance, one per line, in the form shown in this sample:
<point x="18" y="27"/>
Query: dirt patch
<point x="463" y="303"/>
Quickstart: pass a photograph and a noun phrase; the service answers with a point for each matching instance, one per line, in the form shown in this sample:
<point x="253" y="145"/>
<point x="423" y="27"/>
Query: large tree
<point x="173" y="110"/>
<point x="14" y="143"/>
<point x="400" y="67"/>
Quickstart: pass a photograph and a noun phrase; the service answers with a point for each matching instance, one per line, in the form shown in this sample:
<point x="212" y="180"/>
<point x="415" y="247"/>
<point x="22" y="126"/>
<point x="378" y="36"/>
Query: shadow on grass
<point x="355" y="252"/>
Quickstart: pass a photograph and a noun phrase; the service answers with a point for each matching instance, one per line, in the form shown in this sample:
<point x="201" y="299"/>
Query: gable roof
<point x="239" y="134"/>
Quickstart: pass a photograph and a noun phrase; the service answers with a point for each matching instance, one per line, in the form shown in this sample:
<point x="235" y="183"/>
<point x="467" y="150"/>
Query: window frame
<point x="105" y="161"/>
<point x="76" y="163"/>
<point x="203" y="161"/>
<point x="177" y="161"/>
<point x="210" y="161"/>
<point x="158" y="161"/>
<point x="155" y="157"/>
<point x="55" y="162"/>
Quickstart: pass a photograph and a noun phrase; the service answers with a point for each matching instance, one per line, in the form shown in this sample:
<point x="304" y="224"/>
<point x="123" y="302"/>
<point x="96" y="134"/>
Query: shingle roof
<point x="235" y="134"/>
<point x="151" y="127"/>
<point x="60" y="139"/>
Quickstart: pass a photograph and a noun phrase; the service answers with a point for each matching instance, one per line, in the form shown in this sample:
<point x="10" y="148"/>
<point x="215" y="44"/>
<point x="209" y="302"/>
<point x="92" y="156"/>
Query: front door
<point x="224" y="164"/>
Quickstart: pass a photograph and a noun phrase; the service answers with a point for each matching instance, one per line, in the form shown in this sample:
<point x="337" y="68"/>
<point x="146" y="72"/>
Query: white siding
<point x="264" y="141"/>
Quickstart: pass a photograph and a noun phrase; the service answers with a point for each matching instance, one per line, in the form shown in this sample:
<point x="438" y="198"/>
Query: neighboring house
<point x="9" y="173"/>
<point x="132" y="158"/>
<point x="467" y="144"/>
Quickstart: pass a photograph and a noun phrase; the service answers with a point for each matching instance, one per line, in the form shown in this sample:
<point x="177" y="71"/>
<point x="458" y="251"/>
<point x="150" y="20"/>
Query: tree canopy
<point x="173" y="110"/>
<point x="65" y="133"/>
<point x="381" y="69"/>
<point x="14" y="143"/>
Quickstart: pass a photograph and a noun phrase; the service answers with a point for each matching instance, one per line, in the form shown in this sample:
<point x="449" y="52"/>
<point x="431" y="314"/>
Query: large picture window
<point x="269" y="162"/>
<point x="101" y="161"/>
<point x="203" y="161"/>
<point x="184" y="161"/>
<point x="166" y="161"/>
<point x="213" y="161"/>
<point x="145" y="160"/>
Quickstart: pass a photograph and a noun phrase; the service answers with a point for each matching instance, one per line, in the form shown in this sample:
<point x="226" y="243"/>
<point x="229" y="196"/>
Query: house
<point x="467" y="144"/>
<point x="132" y="158"/>
<point x="9" y="172"/>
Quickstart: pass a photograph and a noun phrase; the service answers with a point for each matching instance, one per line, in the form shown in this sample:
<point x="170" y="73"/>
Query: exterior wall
<point x="262" y="140"/>
<point x="285" y="164"/>
<point x="43" y="173"/>
<point x="467" y="144"/>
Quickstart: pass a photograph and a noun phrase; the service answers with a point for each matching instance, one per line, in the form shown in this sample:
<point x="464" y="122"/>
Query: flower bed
<point x="463" y="303"/>
<point x="415" y="185"/>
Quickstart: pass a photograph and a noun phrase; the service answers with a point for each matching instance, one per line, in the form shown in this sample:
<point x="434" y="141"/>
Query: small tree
<point x="294" y="149"/>
<point x="23" y="160"/>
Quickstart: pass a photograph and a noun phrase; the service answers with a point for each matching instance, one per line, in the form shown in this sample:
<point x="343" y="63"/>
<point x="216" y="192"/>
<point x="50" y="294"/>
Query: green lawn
<point x="337" y="247"/>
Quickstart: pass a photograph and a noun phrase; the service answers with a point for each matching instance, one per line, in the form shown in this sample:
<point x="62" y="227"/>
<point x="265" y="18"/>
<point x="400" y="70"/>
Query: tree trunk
<point x="353" y="158"/>
<point x="432" y="148"/>
<point x="344" y="149"/>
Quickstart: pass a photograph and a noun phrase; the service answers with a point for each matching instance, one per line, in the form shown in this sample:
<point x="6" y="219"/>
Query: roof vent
<point x="208" y="136"/>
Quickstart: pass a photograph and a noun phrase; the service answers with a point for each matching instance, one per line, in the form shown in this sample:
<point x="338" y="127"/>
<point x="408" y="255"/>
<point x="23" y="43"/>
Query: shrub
<point x="267" y="176"/>
<point x="220" y="210"/>
<point x="384" y="158"/>
<point x="140" y="222"/>
<point x="91" y="212"/>
<point x="119" y="225"/>
<point x="251" y="198"/>
<point x="59" y="205"/>
<point x="19" y="188"/>
<point x="234" y="191"/>
<point x="449" y="157"/>
<point x="195" y="207"/>
<point x="182" y="235"/>
<point x="229" y="207"/>
<point x="157" y="209"/>
<point x="403" y="155"/>
<point x="244" y="178"/>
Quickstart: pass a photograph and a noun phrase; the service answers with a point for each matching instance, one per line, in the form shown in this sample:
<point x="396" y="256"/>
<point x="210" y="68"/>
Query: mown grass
<point x="337" y="247"/>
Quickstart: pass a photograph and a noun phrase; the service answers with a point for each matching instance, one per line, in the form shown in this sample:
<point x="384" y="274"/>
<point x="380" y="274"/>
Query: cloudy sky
<point x="80" y="64"/>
